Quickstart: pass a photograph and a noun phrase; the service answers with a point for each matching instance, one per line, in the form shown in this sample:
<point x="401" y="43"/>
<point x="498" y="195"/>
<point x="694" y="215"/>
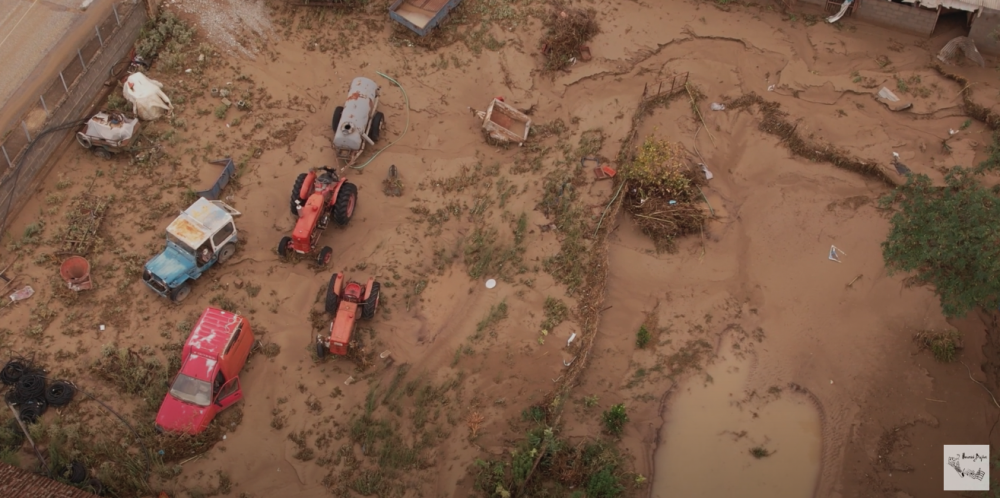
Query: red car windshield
<point x="192" y="390"/>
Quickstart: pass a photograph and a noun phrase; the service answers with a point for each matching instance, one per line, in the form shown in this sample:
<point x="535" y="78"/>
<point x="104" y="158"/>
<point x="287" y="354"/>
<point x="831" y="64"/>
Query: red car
<point x="208" y="381"/>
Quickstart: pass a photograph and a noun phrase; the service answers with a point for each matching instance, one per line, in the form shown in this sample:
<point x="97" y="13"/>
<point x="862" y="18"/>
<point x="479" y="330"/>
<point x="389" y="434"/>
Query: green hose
<point x="407" y="127"/>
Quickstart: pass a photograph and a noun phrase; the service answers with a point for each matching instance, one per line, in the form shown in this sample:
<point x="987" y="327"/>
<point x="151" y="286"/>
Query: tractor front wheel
<point x="284" y="245"/>
<point x="371" y="304"/>
<point x="102" y="153"/>
<point x="325" y="255"/>
<point x="180" y="293"/>
<point x="332" y="299"/>
<point x="347" y="201"/>
<point x="297" y="200"/>
<point x="226" y="252"/>
<point x="320" y="350"/>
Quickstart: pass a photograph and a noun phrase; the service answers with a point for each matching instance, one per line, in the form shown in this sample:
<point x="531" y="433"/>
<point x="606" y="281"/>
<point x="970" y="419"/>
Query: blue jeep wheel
<point x="180" y="293"/>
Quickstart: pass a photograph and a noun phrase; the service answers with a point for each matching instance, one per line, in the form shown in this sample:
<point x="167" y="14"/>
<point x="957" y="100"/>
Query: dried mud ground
<point x="758" y="277"/>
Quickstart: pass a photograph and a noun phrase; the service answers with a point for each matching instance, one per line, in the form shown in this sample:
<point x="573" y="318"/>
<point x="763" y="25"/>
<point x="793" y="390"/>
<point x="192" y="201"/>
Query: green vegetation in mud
<point x="948" y="236"/>
<point x="560" y="203"/>
<point x="557" y="466"/>
<point x="614" y="419"/>
<point x="396" y="426"/>
<point x="944" y="345"/>
<point x="642" y="337"/>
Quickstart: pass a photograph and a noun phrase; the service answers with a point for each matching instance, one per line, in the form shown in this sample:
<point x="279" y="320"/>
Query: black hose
<point x="13" y="371"/>
<point x="59" y="393"/>
<point x="30" y="387"/>
<point x="149" y="460"/>
<point x="24" y="154"/>
<point x="31" y="411"/>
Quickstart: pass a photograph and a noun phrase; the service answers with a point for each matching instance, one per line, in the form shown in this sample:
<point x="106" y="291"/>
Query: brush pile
<point x="662" y="192"/>
<point x="568" y="30"/>
<point x="774" y="122"/>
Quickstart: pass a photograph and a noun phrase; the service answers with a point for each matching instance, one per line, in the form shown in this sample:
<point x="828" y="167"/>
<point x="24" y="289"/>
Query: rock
<point x="227" y="102"/>
<point x="238" y="283"/>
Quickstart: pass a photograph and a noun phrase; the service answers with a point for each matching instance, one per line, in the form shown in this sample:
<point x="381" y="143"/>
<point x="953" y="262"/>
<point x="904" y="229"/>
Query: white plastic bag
<point x="147" y="97"/>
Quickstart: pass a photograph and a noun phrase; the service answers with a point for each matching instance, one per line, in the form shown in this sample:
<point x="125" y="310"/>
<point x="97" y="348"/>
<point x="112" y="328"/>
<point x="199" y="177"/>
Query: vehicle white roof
<point x="199" y="222"/>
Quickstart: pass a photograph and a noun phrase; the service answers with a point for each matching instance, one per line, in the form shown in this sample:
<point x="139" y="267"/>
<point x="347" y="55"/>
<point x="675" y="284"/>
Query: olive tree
<point x="948" y="237"/>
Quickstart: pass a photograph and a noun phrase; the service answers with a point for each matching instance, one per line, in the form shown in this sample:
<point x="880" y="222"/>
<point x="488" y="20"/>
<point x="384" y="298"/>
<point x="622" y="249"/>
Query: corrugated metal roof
<point x="968" y="5"/>
<point x="17" y="483"/>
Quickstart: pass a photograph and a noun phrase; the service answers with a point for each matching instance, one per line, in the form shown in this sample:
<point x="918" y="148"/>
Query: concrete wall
<point x="985" y="30"/>
<point x="908" y="18"/>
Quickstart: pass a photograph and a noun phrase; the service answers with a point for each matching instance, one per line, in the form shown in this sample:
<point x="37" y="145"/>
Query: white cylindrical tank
<point x="357" y="111"/>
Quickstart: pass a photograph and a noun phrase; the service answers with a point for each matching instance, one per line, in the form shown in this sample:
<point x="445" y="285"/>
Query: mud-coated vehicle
<point x="347" y="301"/>
<point x="107" y="133"/>
<point x="208" y="381"/>
<point x="203" y="235"/>
<point x="358" y="121"/>
<point x="318" y="197"/>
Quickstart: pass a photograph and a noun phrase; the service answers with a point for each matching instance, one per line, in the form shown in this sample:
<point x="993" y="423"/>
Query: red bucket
<point x="76" y="272"/>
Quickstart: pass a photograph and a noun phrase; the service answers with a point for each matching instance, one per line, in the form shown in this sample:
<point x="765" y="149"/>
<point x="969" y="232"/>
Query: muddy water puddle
<point x="711" y="428"/>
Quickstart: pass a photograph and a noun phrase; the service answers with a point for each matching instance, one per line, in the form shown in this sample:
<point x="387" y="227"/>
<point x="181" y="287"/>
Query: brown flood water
<point x="704" y="451"/>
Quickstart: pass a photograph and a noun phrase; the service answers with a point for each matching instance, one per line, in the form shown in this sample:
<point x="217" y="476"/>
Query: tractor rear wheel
<point x="371" y="304"/>
<point x="296" y="190"/>
<point x="336" y="117"/>
<point x="226" y="252"/>
<point x="347" y="201"/>
<point x="180" y="293"/>
<point x="376" y="128"/>
<point x="283" y="246"/>
<point x="102" y="153"/>
<point x="332" y="299"/>
<point x="325" y="254"/>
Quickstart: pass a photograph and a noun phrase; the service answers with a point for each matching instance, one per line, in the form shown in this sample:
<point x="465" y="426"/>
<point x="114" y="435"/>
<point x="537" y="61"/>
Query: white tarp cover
<point x="147" y="97"/>
<point x="112" y="127"/>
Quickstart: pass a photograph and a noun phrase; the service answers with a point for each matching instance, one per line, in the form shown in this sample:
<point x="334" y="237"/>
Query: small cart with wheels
<point x="107" y="133"/>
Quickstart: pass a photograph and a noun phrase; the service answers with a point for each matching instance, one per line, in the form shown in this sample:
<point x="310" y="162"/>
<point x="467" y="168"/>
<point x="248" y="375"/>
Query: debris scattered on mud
<point x="568" y="31"/>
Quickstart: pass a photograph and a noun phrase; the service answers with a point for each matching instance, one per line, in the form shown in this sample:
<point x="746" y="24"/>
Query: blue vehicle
<point x="203" y="235"/>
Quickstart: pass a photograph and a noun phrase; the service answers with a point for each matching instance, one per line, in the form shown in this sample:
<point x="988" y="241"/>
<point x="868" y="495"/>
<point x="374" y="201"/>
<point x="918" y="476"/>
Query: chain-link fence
<point x="27" y="147"/>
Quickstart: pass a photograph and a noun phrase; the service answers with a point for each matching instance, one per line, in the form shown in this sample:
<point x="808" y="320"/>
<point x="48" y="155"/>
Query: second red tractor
<point x="318" y="197"/>
<point x="347" y="301"/>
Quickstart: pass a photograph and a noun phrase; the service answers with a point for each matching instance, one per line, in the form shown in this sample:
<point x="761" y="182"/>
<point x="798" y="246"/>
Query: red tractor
<point x="344" y="301"/>
<point x="318" y="196"/>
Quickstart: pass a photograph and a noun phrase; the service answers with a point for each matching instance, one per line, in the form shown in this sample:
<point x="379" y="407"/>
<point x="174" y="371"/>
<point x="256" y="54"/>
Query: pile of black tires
<point x="30" y="393"/>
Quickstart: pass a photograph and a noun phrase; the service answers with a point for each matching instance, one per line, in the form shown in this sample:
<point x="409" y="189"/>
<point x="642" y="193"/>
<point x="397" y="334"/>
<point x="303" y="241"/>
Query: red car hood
<point x="178" y="416"/>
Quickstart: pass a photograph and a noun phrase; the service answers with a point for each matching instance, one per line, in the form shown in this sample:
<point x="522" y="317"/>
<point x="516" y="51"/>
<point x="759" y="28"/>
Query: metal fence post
<point x="98" y="30"/>
<point x="42" y="98"/>
<point x="84" y="64"/>
<point x="24" y="127"/>
<point x="115" y="10"/>
<point x="5" y="156"/>
<point x="63" y="82"/>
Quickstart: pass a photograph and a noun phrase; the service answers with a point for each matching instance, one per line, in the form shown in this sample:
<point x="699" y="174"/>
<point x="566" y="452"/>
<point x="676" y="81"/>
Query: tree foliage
<point x="948" y="237"/>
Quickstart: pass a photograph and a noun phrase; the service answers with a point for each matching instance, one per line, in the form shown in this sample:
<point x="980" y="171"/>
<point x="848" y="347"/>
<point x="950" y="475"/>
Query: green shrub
<point x="615" y="419"/>
<point x="642" y="337"/>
